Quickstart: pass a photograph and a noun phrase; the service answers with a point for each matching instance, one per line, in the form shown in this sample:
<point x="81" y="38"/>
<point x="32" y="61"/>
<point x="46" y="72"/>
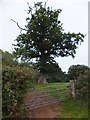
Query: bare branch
<point x="18" y="25"/>
<point x="30" y="9"/>
<point x="45" y="3"/>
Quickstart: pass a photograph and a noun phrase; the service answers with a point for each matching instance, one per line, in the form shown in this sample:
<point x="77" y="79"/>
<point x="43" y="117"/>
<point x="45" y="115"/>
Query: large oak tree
<point x="44" y="38"/>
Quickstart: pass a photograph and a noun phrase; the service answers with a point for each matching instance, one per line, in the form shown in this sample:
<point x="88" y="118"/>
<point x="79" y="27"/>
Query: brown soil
<point x="46" y="111"/>
<point x="49" y="111"/>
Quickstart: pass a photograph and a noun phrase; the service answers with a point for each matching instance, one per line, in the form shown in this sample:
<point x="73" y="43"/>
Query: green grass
<point x="53" y="86"/>
<point x="74" y="109"/>
<point x="56" y="89"/>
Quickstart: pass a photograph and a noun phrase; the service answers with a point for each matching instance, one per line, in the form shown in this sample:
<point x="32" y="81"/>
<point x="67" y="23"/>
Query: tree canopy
<point x="75" y="71"/>
<point x="44" y="37"/>
<point x="8" y="58"/>
<point x="55" y="73"/>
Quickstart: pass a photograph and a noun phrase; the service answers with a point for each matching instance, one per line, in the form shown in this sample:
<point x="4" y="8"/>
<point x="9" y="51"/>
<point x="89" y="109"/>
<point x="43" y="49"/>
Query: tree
<point x="8" y="58"/>
<point x="44" y="38"/>
<point x="54" y="73"/>
<point x="75" y="71"/>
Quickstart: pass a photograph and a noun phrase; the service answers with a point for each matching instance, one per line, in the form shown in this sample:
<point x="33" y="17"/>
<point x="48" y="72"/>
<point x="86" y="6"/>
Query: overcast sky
<point x="74" y="17"/>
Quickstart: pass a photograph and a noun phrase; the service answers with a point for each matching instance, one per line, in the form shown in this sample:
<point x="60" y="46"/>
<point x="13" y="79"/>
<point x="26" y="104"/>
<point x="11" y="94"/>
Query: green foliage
<point x="15" y="82"/>
<point x="81" y="74"/>
<point x="54" y="73"/>
<point x="44" y="37"/>
<point x="76" y="70"/>
<point x="82" y="85"/>
<point x="8" y="58"/>
<point x="74" y="109"/>
<point x="16" y="79"/>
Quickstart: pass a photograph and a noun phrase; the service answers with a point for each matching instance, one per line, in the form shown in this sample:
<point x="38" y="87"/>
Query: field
<point x="69" y="108"/>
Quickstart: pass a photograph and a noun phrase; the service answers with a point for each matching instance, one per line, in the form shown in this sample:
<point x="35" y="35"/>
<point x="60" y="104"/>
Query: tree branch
<point x="18" y="25"/>
<point x="45" y="3"/>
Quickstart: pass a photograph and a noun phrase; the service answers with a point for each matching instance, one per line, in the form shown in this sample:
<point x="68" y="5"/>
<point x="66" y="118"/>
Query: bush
<point x="82" y="85"/>
<point x="15" y="83"/>
<point x="74" y="71"/>
<point x="81" y="74"/>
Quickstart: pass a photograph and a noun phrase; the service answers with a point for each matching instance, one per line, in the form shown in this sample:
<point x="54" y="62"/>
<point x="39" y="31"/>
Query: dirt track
<point x="47" y="111"/>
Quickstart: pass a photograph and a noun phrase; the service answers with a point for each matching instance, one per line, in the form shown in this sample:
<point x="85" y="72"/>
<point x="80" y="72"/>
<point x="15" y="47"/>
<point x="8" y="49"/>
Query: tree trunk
<point x="42" y="79"/>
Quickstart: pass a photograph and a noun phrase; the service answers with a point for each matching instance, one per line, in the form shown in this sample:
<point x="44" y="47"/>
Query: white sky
<point x="74" y="17"/>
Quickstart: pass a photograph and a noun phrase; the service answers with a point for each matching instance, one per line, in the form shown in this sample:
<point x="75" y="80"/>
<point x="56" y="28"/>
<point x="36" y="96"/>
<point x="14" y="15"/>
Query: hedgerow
<point x="82" y="85"/>
<point x="15" y="81"/>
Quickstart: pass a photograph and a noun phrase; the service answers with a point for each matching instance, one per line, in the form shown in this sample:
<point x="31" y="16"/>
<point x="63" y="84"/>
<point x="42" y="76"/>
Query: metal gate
<point x="45" y="96"/>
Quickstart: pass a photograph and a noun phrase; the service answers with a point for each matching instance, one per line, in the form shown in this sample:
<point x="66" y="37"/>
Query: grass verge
<point x="74" y="109"/>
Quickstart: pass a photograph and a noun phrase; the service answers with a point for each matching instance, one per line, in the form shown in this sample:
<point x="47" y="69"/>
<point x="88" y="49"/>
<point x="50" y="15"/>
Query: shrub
<point x="81" y="74"/>
<point x="74" y="71"/>
<point x="15" y="82"/>
<point x="82" y="85"/>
